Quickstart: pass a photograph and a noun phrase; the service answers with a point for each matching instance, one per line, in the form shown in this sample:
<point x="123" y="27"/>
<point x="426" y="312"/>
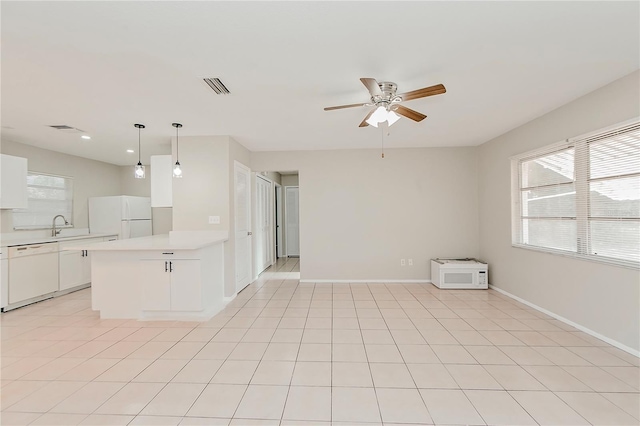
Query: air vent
<point x="66" y="128"/>
<point x="217" y="86"/>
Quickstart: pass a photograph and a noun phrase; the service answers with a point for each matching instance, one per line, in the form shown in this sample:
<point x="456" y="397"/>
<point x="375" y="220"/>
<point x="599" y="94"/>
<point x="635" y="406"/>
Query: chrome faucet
<point x="55" y="231"/>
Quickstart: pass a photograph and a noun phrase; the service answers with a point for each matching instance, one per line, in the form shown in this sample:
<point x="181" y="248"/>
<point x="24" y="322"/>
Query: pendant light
<point x="139" y="170"/>
<point x="177" y="170"/>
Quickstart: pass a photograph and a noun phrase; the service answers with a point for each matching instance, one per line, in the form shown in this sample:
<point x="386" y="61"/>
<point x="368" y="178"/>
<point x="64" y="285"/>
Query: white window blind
<point x="47" y="197"/>
<point x="581" y="197"/>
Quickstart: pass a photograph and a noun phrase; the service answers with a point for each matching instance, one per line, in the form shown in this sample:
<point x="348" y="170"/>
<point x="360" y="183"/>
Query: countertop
<point x="188" y="240"/>
<point x="42" y="240"/>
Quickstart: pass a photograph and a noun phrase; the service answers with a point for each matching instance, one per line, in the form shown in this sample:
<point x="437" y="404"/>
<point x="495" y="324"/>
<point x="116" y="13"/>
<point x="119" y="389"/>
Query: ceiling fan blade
<point x="372" y="86"/>
<point x="364" y="122"/>
<point x="411" y="114"/>
<point x="344" y="106"/>
<point x="438" y="89"/>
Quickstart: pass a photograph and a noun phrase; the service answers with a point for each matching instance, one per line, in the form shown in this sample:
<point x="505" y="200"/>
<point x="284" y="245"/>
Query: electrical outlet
<point x="402" y="262"/>
<point x="410" y="262"/>
<point x="214" y="220"/>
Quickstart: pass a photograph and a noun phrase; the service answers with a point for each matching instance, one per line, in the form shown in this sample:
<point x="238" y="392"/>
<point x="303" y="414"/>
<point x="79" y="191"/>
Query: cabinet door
<point x="4" y="286"/>
<point x="13" y="182"/>
<point x="186" y="291"/>
<point x="86" y="267"/>
<point x="156" y="285"/>
<point x="71" y="263"/>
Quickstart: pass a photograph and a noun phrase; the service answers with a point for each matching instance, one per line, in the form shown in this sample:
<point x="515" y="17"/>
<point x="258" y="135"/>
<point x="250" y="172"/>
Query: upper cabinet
<point x="13" y="182"/>
<point x="161" y="181"/>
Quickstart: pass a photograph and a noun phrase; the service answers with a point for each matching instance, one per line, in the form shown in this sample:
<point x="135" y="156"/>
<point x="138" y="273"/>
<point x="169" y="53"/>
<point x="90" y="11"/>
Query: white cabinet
<point x="4" y="276"/>
<point x="161" y="181"/>
<point x="75" y="265"/>
<point x="13" y="182"/>
<point x="171" y="284"/>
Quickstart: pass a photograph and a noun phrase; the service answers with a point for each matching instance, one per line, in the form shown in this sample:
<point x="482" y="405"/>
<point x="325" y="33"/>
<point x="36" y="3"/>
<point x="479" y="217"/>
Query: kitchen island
<point x="179" y="276"/>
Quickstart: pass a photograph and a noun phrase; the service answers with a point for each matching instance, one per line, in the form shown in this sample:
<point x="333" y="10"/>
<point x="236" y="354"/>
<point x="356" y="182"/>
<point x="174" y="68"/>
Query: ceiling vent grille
<point x="217" y="86"/>
<point x="66" y="128"/>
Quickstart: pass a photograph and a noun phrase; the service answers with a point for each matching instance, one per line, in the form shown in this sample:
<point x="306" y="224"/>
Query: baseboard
<point x="606" y="339"/>
<point x="367" y="281"/>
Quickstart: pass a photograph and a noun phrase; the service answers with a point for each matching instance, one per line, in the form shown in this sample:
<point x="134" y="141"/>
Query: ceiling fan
<point x="387" y="102"/>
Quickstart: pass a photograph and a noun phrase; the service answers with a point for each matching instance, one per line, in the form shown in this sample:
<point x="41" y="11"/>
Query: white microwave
<point x="466" y="273"/>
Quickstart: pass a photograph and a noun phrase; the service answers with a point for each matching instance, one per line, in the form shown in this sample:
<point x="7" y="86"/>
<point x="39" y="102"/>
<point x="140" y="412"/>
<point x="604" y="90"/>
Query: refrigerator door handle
<point x="126" y="229"/>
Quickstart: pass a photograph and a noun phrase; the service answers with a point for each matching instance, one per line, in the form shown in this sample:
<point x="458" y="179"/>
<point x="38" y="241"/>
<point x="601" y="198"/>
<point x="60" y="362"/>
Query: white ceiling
<point x="103" y="66"/>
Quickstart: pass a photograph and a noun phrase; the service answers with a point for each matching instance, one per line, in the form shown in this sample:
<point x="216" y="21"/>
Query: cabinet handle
<point x="167" y="253"/>
<point x="170" y="266"/>
<point x="165" y="266"/>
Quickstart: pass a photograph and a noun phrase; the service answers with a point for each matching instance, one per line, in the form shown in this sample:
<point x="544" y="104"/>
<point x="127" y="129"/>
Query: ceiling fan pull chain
<point x="382" y="134"/>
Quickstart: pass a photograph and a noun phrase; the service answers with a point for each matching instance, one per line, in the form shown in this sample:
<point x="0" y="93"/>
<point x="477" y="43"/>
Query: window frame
<point x="580" y="144"/>
<point x="59" y="225"/>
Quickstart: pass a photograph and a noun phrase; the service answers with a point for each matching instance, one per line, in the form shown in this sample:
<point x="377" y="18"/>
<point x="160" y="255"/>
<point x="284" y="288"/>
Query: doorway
<point x="276" y="221"/>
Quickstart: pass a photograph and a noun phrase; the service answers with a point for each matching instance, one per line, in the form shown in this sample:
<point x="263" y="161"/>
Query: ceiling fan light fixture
<point x="378" y="116"/>
<point x="392" y="117"/>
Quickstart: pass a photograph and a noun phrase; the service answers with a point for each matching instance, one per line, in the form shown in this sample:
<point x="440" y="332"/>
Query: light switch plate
<point x="214" y="220"/>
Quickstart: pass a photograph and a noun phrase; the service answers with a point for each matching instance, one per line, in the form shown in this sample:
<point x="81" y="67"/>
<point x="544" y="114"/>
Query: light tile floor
<point x="285" y="353"/>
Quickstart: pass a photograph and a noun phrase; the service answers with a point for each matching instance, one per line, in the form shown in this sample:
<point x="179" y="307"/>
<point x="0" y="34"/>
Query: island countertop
<point x="176" y="240"/>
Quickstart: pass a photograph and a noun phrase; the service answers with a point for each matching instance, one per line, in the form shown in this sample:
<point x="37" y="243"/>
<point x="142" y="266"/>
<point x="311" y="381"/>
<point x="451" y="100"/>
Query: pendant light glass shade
<point x="177" y="169"/>
<point x="138" y="172"/>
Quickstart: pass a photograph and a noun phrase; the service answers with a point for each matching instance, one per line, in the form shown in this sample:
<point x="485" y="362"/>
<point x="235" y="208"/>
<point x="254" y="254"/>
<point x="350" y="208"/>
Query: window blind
<point x="581" y="197"/>
<point x="47" y="196"/>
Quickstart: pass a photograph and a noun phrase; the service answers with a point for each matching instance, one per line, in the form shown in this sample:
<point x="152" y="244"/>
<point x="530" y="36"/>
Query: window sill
<point x="589" y="258"/>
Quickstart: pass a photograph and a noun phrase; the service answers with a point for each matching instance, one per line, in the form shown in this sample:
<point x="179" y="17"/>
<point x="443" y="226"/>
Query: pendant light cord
<point x="139" y="154"/>
<point x="177" y="146"/>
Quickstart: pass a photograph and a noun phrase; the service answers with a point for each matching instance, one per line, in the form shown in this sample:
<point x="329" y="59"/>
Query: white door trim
<point x="236" y="167"/>
<point x="279" y="209"/>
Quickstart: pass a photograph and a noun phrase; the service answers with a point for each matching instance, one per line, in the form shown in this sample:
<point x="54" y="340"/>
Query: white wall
<point x="358" y="221"/>
<point x="602" y="298"/>
<point x="90" y="178"/>
<point x="203" y="190"/>
<point x="207" y="189"/>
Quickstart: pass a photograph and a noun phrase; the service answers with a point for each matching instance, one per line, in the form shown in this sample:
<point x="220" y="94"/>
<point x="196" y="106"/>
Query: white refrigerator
<point x="127" y="216"/>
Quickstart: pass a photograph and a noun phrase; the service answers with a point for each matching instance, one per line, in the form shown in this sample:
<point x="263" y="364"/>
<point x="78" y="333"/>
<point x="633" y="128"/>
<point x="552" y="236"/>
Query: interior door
<point x="292" y="220"/>
<point x="263" y="224"/>
<point x="242" y="189"/>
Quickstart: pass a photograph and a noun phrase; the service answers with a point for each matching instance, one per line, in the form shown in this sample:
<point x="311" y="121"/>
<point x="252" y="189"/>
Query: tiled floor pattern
<point x="284" y="353"/>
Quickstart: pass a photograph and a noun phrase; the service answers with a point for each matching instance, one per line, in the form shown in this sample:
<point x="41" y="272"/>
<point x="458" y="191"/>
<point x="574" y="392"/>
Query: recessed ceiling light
<point x="85" y="137"/>
<point x="130" y="151"/>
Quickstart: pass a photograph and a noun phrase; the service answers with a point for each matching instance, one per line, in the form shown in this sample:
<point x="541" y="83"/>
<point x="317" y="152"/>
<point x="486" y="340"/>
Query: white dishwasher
<point x="33" y="271"/>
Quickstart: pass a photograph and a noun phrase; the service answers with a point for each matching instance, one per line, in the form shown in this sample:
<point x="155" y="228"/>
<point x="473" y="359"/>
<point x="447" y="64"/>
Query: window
<point x="581" y="197"/>
<point x="47" y="196"/>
